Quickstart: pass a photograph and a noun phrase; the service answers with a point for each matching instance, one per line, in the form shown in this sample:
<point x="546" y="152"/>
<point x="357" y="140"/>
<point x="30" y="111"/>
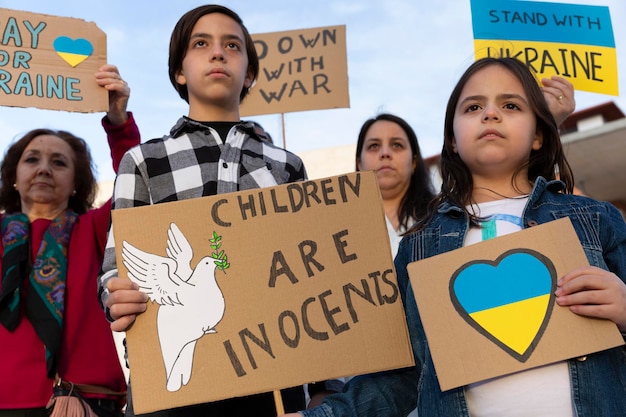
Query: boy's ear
<point x="249" y="80"/>
<point x="180" y="78"/>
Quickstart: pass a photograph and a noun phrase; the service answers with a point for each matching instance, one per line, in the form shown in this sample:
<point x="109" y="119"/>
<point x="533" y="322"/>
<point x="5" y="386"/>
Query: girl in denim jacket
<point x="503" y="170"/>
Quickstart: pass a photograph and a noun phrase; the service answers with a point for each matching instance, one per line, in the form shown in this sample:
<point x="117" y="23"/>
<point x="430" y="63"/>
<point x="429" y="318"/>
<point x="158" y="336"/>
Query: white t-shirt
<point x="539" y="392"/>
<point x="394" y="237"/>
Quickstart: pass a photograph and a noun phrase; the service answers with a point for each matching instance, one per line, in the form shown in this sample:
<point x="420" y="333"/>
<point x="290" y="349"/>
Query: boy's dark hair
<point x="179" y="43"/>
<point x="549" y="161"/>
<point x="420" y="191"/>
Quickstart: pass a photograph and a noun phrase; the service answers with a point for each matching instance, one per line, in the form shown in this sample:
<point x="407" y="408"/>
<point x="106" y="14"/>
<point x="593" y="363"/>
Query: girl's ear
<point x="538" y="141"/>
<point x="358" y="164"/>
<point x="454" y="146"/>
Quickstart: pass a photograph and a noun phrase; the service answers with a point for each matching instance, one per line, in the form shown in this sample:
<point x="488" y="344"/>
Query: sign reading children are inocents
<point x="260" y="290"/>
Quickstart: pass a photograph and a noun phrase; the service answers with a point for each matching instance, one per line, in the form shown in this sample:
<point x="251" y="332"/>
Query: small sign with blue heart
<point x="489" y="309"/>
<point x="508" y="300"/>
<point x="49" y="62"/>
<point x="73" y="51"/>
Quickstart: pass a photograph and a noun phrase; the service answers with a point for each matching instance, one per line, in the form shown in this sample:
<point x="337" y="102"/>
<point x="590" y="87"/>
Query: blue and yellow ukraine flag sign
<point x="573" y="41"/>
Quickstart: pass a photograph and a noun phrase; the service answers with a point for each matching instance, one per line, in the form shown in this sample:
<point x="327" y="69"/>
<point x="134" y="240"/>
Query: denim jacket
<point x="598" y="380"/>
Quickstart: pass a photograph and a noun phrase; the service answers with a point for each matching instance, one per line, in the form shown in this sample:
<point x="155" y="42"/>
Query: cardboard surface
<point x="573" y="41"/>
<point x="305" y="69"/>
<point x="308" y="291"/>
<point x="49" y="62"/>
<point x="515" y="276"/>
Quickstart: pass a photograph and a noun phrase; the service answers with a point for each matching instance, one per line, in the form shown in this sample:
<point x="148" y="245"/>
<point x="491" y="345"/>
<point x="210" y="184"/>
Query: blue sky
<point x="404" y="57"/>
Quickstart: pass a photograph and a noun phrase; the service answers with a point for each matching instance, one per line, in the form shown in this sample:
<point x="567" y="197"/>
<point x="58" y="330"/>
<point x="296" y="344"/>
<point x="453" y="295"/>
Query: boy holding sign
<point x="212" y="65"/>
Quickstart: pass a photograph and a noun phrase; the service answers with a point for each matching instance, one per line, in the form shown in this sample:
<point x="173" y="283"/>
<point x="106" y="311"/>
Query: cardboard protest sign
<point x="570" y="40"/>
<point x="489" y="308"/>
<point x="49" y="62"/>
<point x="304" y="69"/>
<point x="260" y="290"/>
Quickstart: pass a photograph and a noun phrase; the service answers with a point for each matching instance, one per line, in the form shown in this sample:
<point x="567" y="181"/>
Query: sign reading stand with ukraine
<point x="569" y="40"/>
<point x="49" y="62"/>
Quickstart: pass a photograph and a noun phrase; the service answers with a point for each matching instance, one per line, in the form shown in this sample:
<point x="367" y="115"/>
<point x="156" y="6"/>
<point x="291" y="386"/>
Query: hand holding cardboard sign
<point x="124" y="302"/>
<point x="559" y="94"/>
<point x="593" y="292"/>
<point x="108" y="76"/>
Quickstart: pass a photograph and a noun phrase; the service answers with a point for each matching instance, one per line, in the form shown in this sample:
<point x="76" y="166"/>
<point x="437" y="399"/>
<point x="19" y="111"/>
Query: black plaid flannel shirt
<point x="193" y="162"/>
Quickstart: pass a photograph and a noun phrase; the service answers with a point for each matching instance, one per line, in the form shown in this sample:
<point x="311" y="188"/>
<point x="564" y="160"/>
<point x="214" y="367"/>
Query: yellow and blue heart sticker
<point x="508" y="300"/>
<point x="73" y="51"/>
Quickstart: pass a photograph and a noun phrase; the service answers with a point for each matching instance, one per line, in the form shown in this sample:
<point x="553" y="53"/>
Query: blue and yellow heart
<point x="73" y="51"/>
<point x="508" y="300"/>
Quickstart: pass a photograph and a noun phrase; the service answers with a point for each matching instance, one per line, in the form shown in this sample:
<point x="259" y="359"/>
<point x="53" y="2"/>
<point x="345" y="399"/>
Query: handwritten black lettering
<point x="384" y="298"/>
<point x="285" y="44"/>
<point x="297" y="86"/>
<point x="247" y="206"/>
<point x="234" y="359"/>
<point x="272" y="95"/>
<point x="261" y="48"/>
<point x="340" y="245"/>
<point x="294" y="341"/>
<point x="327" y="190"/>
<point x="264" y="344"/>
<point x="300" y="196"/>
<point x="291" y="327"/>
<point x="277" y="207"/>
<point x="344" y="184"/>
<point x="328" y="37"/>
<point x="310" y="192"/>
<point x="583" y="22"/>
<point x="314" y="334"/>
<point x="534" y="18"/>
<point x="540" y="19"/>
<point x="329" y="314"/>
<point x="320" y="81"/>
<point x="246" y="335"/>
<point x="280" y="267"/>
<point x="567" y="63"/>
<point x="308" y="249"/>
<point x="215" y="215"/>
<point x="366" y="294"/>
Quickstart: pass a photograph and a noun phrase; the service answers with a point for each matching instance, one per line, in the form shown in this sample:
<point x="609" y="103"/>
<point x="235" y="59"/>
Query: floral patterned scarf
<point x="45" y="299"/>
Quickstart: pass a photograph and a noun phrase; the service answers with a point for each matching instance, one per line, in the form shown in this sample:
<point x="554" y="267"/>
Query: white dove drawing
<point x="190" y="301"/>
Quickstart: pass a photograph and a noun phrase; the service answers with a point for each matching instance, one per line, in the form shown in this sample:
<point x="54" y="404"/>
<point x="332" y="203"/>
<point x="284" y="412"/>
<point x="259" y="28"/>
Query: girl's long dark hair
<point x="549" y="161"/>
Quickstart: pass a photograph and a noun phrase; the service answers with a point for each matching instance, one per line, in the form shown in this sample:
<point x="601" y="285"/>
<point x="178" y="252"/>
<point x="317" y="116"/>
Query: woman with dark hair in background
<point x="388" y="145"/>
